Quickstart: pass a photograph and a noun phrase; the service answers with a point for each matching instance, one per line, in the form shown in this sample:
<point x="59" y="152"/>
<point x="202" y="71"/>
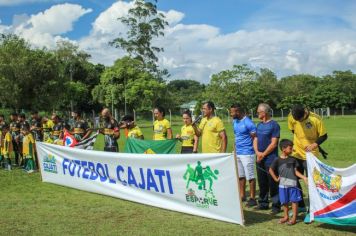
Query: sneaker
<point x="30" y="171"/>
<point x="243" y="199"/>
<point x="251" y="202"/>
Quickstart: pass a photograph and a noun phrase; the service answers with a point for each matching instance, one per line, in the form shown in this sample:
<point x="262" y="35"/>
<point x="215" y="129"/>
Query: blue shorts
<point x="289" y="194"/>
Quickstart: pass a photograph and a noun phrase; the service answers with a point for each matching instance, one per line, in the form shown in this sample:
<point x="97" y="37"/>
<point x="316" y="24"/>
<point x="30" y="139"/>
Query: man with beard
<point x="111" y="131"/>
<point x="212" y="130"/>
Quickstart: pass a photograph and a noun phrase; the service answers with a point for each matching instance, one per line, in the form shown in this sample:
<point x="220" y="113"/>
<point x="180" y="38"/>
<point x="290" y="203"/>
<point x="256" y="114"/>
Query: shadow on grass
<point x="256" y="217"/>
<point x="349" y="229"/>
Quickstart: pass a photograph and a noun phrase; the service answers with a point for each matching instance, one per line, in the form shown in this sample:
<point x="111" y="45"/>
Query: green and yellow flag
<point x="150" y="146"/>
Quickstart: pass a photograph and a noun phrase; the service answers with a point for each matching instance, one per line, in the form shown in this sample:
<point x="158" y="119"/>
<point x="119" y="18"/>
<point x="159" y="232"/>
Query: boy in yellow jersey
<point x="188" y="137"/>
<point x="308" y="134"/>
<point x="161" y="127"/>
<point x="28" y="149"/>
<point x="6" y="146"/>
<point x="212" y="130"/>
<point x="133" y="131"/>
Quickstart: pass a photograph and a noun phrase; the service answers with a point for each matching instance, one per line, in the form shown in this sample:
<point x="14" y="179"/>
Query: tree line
<point x="32" y="78"/>
<point x="63" y="79"/>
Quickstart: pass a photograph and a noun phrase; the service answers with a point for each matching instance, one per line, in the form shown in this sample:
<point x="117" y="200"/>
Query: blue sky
<point x="204" y="37"/>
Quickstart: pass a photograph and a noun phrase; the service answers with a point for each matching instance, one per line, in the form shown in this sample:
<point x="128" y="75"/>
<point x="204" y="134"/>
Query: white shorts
<point x="246" y="166"/>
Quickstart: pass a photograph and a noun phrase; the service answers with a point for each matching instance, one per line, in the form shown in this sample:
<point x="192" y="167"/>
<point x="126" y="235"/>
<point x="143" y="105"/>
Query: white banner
<point x="200" y="184"/>
<point x="332" y="192"/>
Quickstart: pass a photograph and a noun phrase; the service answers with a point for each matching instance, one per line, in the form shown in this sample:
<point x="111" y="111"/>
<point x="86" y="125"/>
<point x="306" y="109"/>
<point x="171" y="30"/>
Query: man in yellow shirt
<point x="309" y="133"/>
<point x="133" y="131"/>
<point x="6" y="146"/>
<point x="161" y="127"/>
<point x="212" y="130"/>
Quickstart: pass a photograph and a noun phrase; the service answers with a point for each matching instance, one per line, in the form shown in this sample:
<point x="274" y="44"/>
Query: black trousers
<point x="185" y="150"/>
<point x="302" y="169"/>
<point x="267" y="186"/>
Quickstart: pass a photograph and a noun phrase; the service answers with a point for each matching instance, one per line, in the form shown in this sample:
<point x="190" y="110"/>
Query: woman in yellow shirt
<point x="188" y="137"/>
<point x="161" y="127"/>
<point x="133" y="131"/>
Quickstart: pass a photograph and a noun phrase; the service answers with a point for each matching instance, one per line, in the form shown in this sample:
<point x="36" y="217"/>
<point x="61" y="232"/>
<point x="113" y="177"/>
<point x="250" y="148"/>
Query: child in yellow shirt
<point x="28" y="149"/>
<point x="6" y="146"/>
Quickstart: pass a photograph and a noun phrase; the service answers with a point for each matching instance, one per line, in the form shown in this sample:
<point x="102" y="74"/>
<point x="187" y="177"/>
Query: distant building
<point x="189" y="106"/>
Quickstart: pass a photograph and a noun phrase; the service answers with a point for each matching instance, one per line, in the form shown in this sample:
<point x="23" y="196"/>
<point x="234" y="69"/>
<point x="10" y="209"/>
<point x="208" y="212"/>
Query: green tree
<point x="128" y="80"/>
<point x="144" y="23"/>
<point x="228" y="86"/>
<point x="184" y="91"/>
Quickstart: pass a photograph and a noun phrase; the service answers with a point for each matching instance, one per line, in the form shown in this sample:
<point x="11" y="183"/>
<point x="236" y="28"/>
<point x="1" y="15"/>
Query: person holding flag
<point x="161" y="127"/>
<point x="188" y="137"/>
<point x="111" y="131"/>
<point x="212" y="130"/>
<point x="81" y="129"/>
<point x="308" y="134"/>
<point x="133" y="131"/>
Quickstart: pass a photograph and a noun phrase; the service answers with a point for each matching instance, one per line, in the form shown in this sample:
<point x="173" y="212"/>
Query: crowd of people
<point x="255" y="146"/>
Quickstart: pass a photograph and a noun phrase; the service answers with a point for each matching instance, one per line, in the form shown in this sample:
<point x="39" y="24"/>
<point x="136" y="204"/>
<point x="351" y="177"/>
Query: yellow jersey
<point x="187" y="136"/>
<point x="28" y="146"/>
<point x="6" y="144"/>
<point x="134" y="132"/>
<point x="306" y="133"/>
<point x="160" y="128"/>
<point x="211" y="140"/>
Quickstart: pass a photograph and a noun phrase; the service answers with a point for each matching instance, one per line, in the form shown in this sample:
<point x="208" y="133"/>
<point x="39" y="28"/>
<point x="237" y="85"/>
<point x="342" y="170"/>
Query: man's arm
<point x="223" y="137"/>
<point x="196" y="141"/>
<point x="87" y="134"/>
<point x="317" y="143"/>
<point x="196" y="130"/>
<point x="271" y="147"/>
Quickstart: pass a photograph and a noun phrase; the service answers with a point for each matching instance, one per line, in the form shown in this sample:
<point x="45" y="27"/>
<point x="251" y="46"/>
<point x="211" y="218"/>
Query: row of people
<point x="256" y="147"/>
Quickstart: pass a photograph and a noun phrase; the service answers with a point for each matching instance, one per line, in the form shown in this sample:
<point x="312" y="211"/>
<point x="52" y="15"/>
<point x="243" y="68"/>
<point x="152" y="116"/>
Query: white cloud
<point x="44" y="29"/>
<point x="18" y="2"/>
<point x="196" y="51"/>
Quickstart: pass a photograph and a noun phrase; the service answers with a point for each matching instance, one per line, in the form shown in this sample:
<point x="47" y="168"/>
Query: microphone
<point x="198" y="119"/>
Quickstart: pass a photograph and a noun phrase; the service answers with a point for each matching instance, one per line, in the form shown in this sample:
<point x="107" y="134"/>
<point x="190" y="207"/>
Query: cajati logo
<point x="49" y="164"/>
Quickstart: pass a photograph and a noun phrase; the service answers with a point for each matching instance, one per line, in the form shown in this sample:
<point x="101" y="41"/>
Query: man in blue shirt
<point x="266" y="148"/>
<point x="245" y="132"/>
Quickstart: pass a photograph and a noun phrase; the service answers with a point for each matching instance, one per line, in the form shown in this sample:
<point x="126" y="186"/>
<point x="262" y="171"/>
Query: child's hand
<point x="177" y="136"/>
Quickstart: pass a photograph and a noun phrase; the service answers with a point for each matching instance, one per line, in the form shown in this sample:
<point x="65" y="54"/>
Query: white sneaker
<point x="30" y="171"/>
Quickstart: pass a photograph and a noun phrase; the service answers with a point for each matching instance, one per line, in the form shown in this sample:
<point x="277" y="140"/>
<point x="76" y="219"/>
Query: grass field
<point x="30" y="207"/>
